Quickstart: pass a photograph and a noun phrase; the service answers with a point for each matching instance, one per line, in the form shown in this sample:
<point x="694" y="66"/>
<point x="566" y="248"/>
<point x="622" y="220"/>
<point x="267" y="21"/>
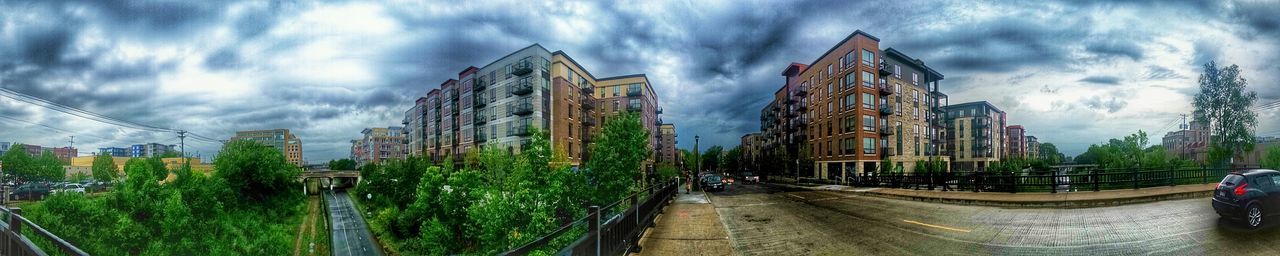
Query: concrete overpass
<point x="326" y="176"/>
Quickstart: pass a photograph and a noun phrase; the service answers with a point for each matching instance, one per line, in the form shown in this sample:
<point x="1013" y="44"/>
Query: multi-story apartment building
<point x="837" y="104"/>
<point x="909" y="104"/>
<point x="666" y="144"/>
<point x="378" y="144"/>
<point x="281" y="139"/>
<point x="750" y="147"/>
<point x="1033" y="147"/>
<point x="976" y="135"/>
<point x="63" y="153"/>
<point x="496" y="105"/>
<point x="631" y="93"/>
<point x="1016" y="145"/>
<point x="151" y="150"/>
<point x="1192" y="141"/>
<point x="114" y="152"/>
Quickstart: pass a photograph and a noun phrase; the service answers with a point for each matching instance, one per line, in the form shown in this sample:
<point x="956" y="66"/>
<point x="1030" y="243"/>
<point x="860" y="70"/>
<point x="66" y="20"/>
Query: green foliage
<point x="732" y="160"/>
<point x="1131" y="152"/>
<point x="496" y="201"/>
<point x="18" y="164"/>
<point x="158" y="170"/>
<point x="617" y="156"/>
<point x="256" y="172"/>
<point x="1224" y="106"/>
<point x="187" y="216"/>
<point x="342" y="164"/>
<point x="667" y="171"/>
<point x="104" y="168"/>
<point x="49" y="168"/>
<point x="1049" y="152"/>
<point x="711" y="158"/>
<point x="1272" y="159"/>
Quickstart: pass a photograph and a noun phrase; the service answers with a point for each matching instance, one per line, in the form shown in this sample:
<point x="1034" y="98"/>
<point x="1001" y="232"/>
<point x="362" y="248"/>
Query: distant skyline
<point x="1071" y="72"/>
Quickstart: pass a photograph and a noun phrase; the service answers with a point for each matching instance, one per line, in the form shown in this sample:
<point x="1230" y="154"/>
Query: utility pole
<point x="1185" y="129"/>
<point x="73" y="145"/>
<point x="182" y="144"/>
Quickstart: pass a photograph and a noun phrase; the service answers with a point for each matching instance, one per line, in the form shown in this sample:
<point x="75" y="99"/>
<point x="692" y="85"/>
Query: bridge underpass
<point x="349" y="232"/>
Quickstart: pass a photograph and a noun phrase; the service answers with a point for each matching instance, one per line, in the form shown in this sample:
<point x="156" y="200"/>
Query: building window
<point x="841" y="63"/>
<point x="868" y="123"/>
<point x="617" y="90"/>
<point x="868" y="101"/>
<point x="848" y="146"/>
<point x="615" y="102"/>
<point x="849" y="79"/>
<point x="829" y="90"/>
<point x="868" y="145"/>
<point x="849" y="101"/>
<point x="850" y="125"/>
<point x="570" y="73"/>
<point x="868" y="79"/>
<point x="828" y="70"/>
<point x="897" y="71"/>
<point x="868" y="58"/>
<point x="915" y="78"/>
<point x="828" y="108"/>
<point x="897" y="88"/>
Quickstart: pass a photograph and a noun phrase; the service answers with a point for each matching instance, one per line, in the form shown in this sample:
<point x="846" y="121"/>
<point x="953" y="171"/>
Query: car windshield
<point x="712" y="178"/>
<point x="746" y="174"/>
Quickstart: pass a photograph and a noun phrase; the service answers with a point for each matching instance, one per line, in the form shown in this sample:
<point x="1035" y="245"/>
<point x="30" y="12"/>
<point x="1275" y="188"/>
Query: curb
<point x="1070" y="203"/>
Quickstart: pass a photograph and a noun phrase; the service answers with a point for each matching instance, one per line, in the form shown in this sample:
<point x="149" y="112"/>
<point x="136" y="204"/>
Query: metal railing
<point x="15" y="243"/>
<point x="606" y="233"/>
<point x="1090" y="179"/>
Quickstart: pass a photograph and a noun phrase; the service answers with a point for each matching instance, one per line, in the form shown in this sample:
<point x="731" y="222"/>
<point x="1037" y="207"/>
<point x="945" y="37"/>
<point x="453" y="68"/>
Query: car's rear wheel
<point x="1254" y="216"/>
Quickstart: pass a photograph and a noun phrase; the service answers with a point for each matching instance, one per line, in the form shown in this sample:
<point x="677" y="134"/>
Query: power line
<point x="50" y="127"/>
<point x="95" y="116"/>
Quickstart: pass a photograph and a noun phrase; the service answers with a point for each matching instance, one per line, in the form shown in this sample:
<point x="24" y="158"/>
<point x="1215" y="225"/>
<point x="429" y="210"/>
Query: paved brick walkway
<point x="1039" y="199"/>
<point x="689" y="226"/>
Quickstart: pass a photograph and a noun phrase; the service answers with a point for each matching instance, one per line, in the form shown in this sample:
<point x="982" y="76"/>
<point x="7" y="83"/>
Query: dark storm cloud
<point x="1104" y="80"/>
<point x="1206" y="51"/>
<point x="1259" y="17"/>
<point x="1116" y="47"/>
<point x="999" y="44"/>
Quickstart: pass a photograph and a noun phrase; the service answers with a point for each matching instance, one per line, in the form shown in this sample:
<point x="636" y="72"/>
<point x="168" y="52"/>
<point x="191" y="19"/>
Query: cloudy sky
<point x="1072" y="72"/>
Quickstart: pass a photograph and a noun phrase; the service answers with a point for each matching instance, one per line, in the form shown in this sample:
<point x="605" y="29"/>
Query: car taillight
<point x="1240" y="190"/>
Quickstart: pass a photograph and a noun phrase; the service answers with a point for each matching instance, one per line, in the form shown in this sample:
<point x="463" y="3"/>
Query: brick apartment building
<point x="666" y="149"/>
<point x="495" y="105"/>
<point x="281" y="139"/>
<point x="976" y="135"/>
<point x="1016" y="144"/>
<point x="378" y="144"/>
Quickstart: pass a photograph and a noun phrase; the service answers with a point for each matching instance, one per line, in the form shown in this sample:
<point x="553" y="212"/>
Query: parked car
<point x="30" y="191"/>
<point x="1250" y="196"/>
<point x="712" y="182"/>
<point x="748" y="177"/>
<point x="69" y="187"/>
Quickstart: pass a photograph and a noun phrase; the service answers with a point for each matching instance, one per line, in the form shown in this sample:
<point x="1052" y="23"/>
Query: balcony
<point x="802" y="91"/>
<point x="522" y="88"/>
<point x="886" y="110"/>
<point x="589" y="89"/>
<point x="886" y="151"/>
<point x="481" y="119"/>
<point x="479" y="85"/>
<point x="657" y="122"/>
<point x="789" y="101"/>
<point x="884" y="69"/>
<point x="659" y="111"/>
<point x="453" y="94"/>
<point x="802" y="108"/>
<point x="634" y="107"/>
<point x="520" y="130"/>
<point x="586" y="105"/>
<point x="481" y="137"/>
<point x="633" y="93"/>
<point x="885" y="90"/>
<point x="588" y="121"/>
<point x="480" y="102"/>
<point x="522" y="109"/>
<point x="521" y="68"/>
<point x="802" y="122"/>
<point x="886" y="130"/>
<point x="792" y="114"/>
<point x="454" y="111"/>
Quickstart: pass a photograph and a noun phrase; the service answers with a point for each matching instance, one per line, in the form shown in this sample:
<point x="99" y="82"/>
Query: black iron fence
<point x="1084" y="179"/>
<point x="609" y="230"/>
<point x="16" y="243"/>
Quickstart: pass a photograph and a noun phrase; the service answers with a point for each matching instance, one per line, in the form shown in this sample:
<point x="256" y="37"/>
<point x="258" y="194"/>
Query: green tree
<point x="1223" y="105"/>
<point x="18" y="164"/>
<point x="104" y="168"/>
<point x="1049" y="152"/>
<point x="342" y="164"/>
<point x="666" y="171"/>
<point x="690" y="162"/>
<point x="732" y="160"/>
<point x="1272" y="159"/>
<point x="49" y="168"/>
<point x="157" y="167"/>
<point x="617" y="158"/>
<point x="255" y="172"/>
<point x="711" y="158"/>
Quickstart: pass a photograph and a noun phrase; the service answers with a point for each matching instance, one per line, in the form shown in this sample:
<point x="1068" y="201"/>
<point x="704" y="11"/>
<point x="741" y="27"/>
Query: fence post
<point x="1204" y="174"/>
<point x="1134" y="177"/>
<point x="594" y="225"/>
<point x="634" y="241"/>
<point x="1094" y="172"/>
<point x="1053" y="183"/>
<point x="977" y="178"/>
<point x="1014" y="180"/>
<point x="1171" y="177"/>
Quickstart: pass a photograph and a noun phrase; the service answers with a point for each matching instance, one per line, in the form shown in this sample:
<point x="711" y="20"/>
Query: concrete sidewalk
<point x="1031" y="200"/>
<point x="689" y="226"/>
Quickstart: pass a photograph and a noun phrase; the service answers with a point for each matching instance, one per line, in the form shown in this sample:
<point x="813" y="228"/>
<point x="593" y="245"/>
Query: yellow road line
<point x="935" y="226"/>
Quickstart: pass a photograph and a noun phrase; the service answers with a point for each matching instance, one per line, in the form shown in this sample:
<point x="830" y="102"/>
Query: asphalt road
<point x="351" y="235"/>
<point x="764" y="220"/>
